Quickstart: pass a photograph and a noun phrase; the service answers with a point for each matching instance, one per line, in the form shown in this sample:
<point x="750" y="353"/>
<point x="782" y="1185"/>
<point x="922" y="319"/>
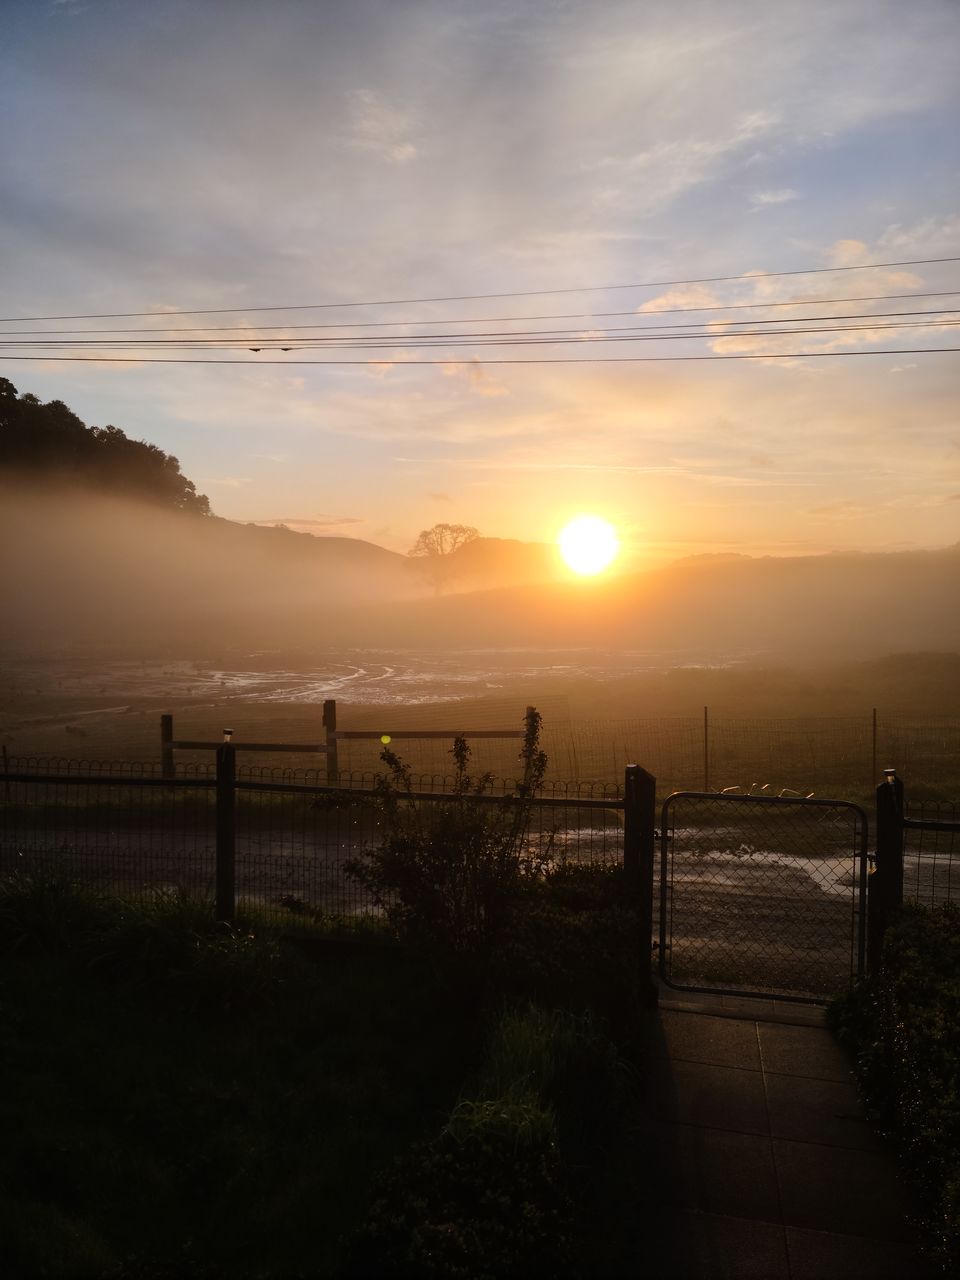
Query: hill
<point x="816" y="606"/>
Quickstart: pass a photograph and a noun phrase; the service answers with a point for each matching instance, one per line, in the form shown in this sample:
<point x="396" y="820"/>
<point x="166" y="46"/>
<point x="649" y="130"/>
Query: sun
<point x="588" y="544"/>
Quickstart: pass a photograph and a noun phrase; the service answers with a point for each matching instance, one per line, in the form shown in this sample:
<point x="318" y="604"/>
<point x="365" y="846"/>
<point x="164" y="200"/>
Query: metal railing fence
<point x="248" y="835"/>
<point x="931" y="841"/>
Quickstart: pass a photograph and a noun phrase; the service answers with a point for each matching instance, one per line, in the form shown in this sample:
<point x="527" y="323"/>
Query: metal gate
<point x="762" y="895"/>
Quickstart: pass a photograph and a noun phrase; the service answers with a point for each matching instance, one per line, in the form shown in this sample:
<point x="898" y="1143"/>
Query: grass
<point x="185" y="1098"/>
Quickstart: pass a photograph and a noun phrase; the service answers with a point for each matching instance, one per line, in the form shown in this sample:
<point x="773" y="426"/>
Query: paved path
<point x="762" y="1165"/>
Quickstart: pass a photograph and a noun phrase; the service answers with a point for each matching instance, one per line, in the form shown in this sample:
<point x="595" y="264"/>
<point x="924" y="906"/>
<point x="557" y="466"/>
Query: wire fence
<point x="928" y="854"/>
<point x="762" y="895"/>
<point x="137" y="833"/>
<point x="830" y="756"/>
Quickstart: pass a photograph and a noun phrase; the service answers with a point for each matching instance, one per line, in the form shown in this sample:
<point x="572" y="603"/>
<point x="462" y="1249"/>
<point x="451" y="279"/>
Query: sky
<point x="169" y="156"/>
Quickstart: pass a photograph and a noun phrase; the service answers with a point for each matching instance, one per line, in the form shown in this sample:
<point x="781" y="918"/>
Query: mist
<point x="104" y="573"/>
<point x="84" y="569"/>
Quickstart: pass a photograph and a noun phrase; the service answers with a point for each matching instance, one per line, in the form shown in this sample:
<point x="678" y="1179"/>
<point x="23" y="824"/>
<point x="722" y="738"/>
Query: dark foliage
<point x="182" y="1100"/>
<point x="904" y="1026"/>
<point x="49" y="443"/>
<point x="484" y="1200"/>
<point x="570" y="941"/>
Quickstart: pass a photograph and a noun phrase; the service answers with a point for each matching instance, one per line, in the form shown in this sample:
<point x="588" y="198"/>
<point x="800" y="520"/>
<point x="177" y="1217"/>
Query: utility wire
<point x="516" y="338"/>
<point x="466" y="341"/>
<point x="570" y="315"/>
<point x="259" y="364"/>
<point x="470" y="297"/>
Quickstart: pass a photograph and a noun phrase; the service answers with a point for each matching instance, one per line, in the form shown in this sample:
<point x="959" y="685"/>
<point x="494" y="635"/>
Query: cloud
<point x="762" y="198"/>
<point x="380" y="129"/>
<point x="476" y="377"/>
<point x="309" y="522"/>
<point x="653" y="178"/>
<point x="841" y="510"/>
<point x="440" y="497"/>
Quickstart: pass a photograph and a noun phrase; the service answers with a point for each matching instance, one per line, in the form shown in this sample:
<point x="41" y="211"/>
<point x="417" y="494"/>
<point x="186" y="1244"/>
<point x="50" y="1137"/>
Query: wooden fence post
<point x="885" y="882"/>
<point x="706" y="749"/>
<point x="167" y="768"/>
<point x="225" y="905"/>
<point x="639" y="840"/>
<point x="330" y="724"/>
<point x="873" y="748"/>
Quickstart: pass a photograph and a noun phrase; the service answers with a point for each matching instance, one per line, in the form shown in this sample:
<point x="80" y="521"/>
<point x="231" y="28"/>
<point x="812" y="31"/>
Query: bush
<point x="903" y="1026"/>
<point x="44" y="912"/>
<point x="571" y="940"/>
<point x="487" y="1198"/>
<point x="445" y="871"/>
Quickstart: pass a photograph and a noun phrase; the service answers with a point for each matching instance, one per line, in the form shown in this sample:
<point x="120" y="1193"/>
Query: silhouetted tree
<point x="436" y="545"/>
<point x="49" y="443"/>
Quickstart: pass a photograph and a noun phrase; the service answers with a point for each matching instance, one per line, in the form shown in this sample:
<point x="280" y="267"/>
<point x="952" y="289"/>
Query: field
<point x="746" y="907"/>
<point x="110" y="710"/>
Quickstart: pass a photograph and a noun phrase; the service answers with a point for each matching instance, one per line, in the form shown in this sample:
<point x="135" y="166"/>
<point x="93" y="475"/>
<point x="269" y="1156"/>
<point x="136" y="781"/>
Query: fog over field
<point x="105" y="573"/>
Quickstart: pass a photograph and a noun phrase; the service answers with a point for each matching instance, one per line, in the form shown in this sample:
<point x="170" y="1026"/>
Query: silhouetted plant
<point x="446" y="870"/>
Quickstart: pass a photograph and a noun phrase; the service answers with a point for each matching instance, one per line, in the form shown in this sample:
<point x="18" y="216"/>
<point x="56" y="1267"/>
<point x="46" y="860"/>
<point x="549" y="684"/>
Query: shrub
<point x="483" y="1201"/>
<point x="445" y="871"/>
<point x="44" y="911"/>
<point x="571" y="940"/>
<point x="491" y="1196"/>
<point x="902" y="1025"/>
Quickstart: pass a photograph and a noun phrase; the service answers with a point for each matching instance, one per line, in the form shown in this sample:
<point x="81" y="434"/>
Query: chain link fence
<point x="762" y="895"/>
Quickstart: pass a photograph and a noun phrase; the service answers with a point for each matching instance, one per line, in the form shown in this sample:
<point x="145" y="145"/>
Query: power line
<point x="408" y="364"/>
<point x="569" y="315"/>
<point x="507" y="337"/>
<point x="472" y="297"/>
<point x="404" y="344"/>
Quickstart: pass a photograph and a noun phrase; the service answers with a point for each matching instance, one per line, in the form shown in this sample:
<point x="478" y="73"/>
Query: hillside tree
<point x="436" y="546"/>
<point x="49" y="444"/>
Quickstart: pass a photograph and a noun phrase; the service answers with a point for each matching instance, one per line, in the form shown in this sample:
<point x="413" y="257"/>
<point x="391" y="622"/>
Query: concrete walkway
<point x="762" y="1165"/>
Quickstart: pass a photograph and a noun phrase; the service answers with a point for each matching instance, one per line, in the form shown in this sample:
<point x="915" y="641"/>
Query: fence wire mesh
<point x="137" y="834"/>
<point x="761" y="896"/>
<point x="126" y="834"/>
<point x="928" y="854"/>
<point x="829" y="755"/>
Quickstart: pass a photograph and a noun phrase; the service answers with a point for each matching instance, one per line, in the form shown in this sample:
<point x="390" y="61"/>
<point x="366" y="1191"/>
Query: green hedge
<point x="904" y="1027"/>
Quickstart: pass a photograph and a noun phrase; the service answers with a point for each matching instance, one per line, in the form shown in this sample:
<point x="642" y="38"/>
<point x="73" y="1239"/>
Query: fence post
<point x="885" y="882"/>
<point x="873" y="751"/>
<point x="330" y="724"/>
<point x="639" y="839"/>
<point x="226" y="831"/>
<point x="167" y="769"/>
<point x="706" y="749"/>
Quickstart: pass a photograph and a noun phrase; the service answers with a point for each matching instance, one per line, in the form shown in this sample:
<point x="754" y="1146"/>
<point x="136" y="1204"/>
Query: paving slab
<point x="761" y="1162"/>
<point x="802" y="1051"/>
<point x="840" y="1190"/>
<point x="715" y="1097"/>
<point x="721" y="1172"/>
<point x="824" y="1111"/>
<point x="719" y="1247"/>
<point x="826" y="1255"/>
<point x="717" y="1042"/>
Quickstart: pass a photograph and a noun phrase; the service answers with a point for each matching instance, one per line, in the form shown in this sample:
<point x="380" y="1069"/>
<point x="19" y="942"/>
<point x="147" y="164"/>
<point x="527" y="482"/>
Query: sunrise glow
<point x="588" y="544"/>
